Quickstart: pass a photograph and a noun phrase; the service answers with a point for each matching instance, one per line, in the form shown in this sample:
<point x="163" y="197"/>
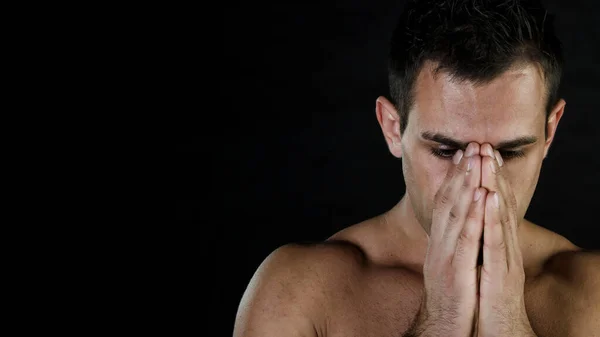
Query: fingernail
<point x="469" y="150"/>
<point x="496" y="201"/>
<point x="457" y="157"/>
<point x="477" y="194"/>
<point x="499" y="158"/>
<point x="469" y="164"/>
<point x="493" y="167"/>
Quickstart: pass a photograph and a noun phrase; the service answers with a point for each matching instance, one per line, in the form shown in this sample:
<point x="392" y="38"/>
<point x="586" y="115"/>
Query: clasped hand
<point x="501" y="309"/>
<point x="474" y="205"/>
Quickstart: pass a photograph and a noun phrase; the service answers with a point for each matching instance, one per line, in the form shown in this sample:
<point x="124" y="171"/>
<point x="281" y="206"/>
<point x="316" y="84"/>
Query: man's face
<point x="510" y="107"/>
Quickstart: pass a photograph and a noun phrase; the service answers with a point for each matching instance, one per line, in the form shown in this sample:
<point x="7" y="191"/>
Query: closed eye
<point x="449" y="153"/>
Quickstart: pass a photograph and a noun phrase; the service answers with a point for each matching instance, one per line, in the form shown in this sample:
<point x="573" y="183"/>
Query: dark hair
<point x="474" y="40"/>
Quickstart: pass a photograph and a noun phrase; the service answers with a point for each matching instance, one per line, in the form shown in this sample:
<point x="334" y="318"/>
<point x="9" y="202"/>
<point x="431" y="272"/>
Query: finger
<point x="445" y="212"/>
<point x="499" y="159"/>
<point x="493" y="179"/>
<point x="463" y="202"/>
<point x="508" y="207"/>
<point x="469" y="239"/>
<point x="445" y="196"/>
<point x="494" y="244"/>
<point x="490" y="169"/>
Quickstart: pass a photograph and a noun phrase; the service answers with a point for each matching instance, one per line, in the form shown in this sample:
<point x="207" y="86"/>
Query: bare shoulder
<point x="561" y="259"/>
<point x="576" y="277"/>
<point x="577" y="266"/>
<point x="288" y="294"/>
<point x="571" y="281"/>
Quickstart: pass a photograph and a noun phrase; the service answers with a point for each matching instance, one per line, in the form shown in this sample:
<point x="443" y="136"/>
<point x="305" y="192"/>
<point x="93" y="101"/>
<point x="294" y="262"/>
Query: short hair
<point x="474" y="40"/>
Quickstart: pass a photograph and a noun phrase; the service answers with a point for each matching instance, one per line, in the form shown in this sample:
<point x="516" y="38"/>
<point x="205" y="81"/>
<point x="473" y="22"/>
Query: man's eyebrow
<point x="508" y="144"/>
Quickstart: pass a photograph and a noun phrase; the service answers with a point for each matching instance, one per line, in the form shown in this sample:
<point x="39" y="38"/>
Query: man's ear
<point x="390" y="125"/>
<point x="553" y="119"/>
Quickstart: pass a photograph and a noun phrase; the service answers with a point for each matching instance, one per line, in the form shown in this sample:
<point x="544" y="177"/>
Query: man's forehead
<point x="509" y="107"/>
<point x="519" y="89"/>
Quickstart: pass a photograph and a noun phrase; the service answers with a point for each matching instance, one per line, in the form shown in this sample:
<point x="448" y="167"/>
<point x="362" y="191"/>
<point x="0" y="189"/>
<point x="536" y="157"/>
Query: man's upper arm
<point x="586" y="277"/>
<point x="281" y="297"/>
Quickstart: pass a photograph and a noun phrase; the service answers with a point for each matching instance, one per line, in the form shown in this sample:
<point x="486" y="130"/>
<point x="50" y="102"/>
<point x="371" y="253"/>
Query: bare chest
<point x="385" y="304"/>
<point x="381" y="304"/>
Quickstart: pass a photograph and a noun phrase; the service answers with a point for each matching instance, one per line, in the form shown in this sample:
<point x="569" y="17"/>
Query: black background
<point x="290" y="149"/>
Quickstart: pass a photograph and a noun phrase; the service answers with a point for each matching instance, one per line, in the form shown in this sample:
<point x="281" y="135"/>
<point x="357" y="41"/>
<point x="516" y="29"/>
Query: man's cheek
<point x="518" y="177"/>
<point x="521" y="184"/>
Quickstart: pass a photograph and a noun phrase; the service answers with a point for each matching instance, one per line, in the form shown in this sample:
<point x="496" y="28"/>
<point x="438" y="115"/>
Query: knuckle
<point x="491" y="166"/>
<point x="452" y="216"/>
<point x="501" y="244"/>
<point x="461" y="249"/>
<point x="512" y="203"/>
<point x="472" y="216"/>
<point x="438" y="195"/>
<point x="496" y="172"/>
<point x="466" y="237"/>
<point x="467" y="183"/>
<point x="466" y="240"/>
<point x="505" y="219"/>
<point x="443" y="200"/>
<point x="451" y="173"/>
<point x="497" y="244"/>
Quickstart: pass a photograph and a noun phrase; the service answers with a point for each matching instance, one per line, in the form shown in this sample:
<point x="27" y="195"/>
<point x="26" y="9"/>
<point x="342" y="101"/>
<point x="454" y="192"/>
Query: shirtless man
<point x="472" y="114"/>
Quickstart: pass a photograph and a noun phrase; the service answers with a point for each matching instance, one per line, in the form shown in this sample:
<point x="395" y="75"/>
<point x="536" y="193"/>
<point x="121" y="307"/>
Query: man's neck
<point x="402" y="218"/>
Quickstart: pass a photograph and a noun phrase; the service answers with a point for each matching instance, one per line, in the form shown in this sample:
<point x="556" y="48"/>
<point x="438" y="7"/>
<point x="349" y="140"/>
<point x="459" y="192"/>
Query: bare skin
<point x="367" y="280"/>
